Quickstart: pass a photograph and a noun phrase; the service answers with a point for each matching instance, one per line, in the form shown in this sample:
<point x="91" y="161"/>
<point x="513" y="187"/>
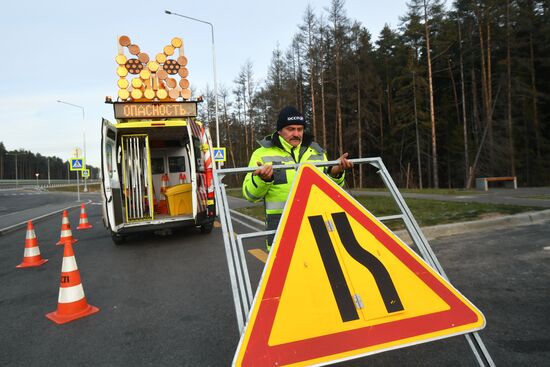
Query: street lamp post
<point x="83" y="138"/>
<point x="37" y="174"/>
<point x="213" y="67"/>
<point x="49" y="182"/>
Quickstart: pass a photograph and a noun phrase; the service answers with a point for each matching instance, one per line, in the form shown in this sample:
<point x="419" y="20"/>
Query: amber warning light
<point x="144" y="110"/>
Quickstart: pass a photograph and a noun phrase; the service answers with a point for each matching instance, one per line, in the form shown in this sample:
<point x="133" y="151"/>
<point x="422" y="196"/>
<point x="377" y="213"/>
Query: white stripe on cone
<point x="65" y="220"/>
<point x="66" y="233"/>
<point x="30" y="234"/>
<point x="71" y="294"/>
<point x="69" y="264"/>
<point x="31" y="251"/>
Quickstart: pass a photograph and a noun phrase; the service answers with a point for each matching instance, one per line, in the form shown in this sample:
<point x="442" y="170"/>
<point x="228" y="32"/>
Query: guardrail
<point x="19" y="184"/>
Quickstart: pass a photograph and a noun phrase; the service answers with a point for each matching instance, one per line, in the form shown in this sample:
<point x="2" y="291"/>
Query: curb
<point x="443" y="230"/>
<point x="17" y="226"/>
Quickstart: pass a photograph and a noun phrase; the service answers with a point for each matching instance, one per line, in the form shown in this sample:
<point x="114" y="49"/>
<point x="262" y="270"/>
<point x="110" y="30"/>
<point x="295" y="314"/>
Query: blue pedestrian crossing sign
<point x="219" y="154"/>
<point x="77" y="164"/>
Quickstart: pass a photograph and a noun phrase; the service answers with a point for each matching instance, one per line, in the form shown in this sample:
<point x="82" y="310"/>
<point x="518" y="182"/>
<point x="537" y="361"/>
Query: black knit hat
<point x="290" y="116"/>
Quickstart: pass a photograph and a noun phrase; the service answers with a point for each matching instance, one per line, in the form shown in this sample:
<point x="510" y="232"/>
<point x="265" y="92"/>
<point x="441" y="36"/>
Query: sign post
<point x="77" y="164"/>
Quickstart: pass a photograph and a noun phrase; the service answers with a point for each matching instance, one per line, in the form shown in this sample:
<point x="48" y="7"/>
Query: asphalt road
<point x="19" y="205"/>
<point x="166" y="300"/>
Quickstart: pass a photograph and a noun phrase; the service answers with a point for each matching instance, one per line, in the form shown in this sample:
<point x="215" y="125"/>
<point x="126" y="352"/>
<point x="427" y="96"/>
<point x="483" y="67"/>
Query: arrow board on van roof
<point x="339" y="285"/>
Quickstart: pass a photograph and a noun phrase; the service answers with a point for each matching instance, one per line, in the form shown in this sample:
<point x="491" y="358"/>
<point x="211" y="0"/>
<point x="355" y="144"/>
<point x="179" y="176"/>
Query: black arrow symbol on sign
<point x="340" y="288"/>
<point x="334" y="271"/>
<point x="378" y="270"/>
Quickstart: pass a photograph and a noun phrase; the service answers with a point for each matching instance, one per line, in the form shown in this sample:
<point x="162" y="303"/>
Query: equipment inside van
<point x="156" y="169"/>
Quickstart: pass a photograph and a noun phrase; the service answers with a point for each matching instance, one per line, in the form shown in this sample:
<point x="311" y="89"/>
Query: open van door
<point x="112" y="195"/>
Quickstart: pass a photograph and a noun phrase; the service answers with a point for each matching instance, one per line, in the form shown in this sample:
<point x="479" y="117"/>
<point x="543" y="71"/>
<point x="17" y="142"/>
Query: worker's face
<point x="293" y="134"/>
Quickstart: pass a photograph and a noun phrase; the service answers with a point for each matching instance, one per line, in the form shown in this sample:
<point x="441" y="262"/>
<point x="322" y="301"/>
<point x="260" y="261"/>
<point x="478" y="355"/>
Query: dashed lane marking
<point x="23" y="194"/>
<point x="256" y="252"/>
<point x="259" y="254"/>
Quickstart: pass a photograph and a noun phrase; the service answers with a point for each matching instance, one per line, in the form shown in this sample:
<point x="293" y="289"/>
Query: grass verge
<point x="426" y="212"/>
<point x="72" y="188"/>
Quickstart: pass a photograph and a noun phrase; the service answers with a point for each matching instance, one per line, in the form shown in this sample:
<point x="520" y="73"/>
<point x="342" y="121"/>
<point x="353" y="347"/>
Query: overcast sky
<point x="65" y="50"/>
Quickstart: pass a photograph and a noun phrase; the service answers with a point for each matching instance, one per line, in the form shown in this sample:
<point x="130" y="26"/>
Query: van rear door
<point x="112" y="195"/>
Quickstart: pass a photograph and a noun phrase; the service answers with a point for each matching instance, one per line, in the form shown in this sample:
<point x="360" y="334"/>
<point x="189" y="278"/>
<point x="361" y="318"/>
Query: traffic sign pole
<point x="77" y="164"/>
<point x="77" y="187"/>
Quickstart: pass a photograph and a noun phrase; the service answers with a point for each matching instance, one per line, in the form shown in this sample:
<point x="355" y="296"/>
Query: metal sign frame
<point x="236" y="262"/>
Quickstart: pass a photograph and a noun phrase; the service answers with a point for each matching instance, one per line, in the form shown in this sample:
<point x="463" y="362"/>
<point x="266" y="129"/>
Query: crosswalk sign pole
<point x="78" y="164"/>
<point x="77" y="187"/>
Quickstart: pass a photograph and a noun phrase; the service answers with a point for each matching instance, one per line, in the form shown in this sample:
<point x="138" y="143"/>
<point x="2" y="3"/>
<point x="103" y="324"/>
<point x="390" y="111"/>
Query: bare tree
<point x="431" y="94"/>
<point x="308" y="30"/>
<point x="337" y="16"/>
<point x="224" y="94"/>
<point x="509" y="91"/>
<point x="482" y="14"/>
<point x="323" y="42"/>
<point x="464" y="121"/>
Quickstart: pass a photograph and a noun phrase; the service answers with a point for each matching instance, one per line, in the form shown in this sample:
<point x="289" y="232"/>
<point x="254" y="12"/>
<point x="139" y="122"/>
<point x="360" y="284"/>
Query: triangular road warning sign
<point x="339" y="285"/>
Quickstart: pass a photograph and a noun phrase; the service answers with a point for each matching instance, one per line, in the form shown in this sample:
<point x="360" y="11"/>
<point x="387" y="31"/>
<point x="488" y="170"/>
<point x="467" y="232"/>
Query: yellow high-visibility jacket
<point x="275" y="150"/>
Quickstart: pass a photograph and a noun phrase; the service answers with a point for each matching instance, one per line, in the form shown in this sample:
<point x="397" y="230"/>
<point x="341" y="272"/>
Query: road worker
<point x="289" y="144"/>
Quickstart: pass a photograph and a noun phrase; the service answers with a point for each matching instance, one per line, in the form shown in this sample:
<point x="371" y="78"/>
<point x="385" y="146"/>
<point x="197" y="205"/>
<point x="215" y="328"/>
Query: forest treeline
<point x="29" y="164"/>
<point x="455" y="92"/>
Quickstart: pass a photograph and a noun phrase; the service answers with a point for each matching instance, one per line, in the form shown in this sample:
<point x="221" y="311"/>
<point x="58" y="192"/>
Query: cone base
<point x="62" y="242"/>
<point x="84" y="226"/>
<point x="63" y="319"/>
<point x="31" y="264"/>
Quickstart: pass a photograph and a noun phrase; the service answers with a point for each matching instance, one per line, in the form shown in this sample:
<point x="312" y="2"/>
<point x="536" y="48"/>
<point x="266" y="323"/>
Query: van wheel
<point x="206" y="228"/>
<point x="117" y="238"/>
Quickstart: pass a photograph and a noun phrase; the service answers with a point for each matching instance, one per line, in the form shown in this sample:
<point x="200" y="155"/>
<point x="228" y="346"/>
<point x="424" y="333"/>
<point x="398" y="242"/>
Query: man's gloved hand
<point x="265" y="171"/>
<point x="344" y="164"/>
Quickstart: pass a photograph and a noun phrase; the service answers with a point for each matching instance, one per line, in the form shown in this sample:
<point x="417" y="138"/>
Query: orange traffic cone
<point x="83" y="223"/>
<point x="164" y="183"/>
<point x="71" y="304"/>
<point x="31" y="257"/>
<point x="66" y="233"/>
<point x="162" y="208"/>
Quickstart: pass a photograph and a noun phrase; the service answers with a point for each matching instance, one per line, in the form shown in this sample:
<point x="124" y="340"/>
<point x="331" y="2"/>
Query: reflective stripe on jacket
<point x="275" y="150"/>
